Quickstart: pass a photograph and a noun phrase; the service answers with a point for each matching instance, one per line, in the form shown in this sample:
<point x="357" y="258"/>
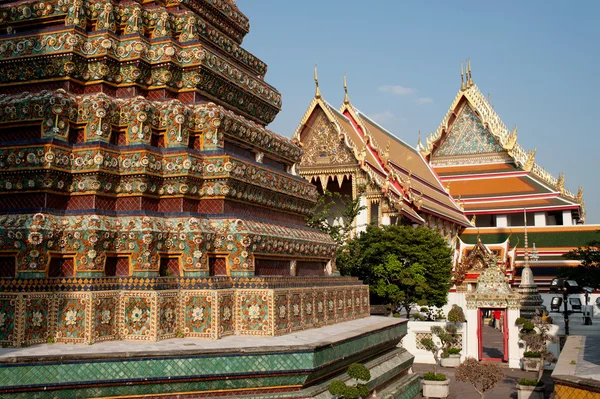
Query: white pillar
<point x="567" y="218"/>
<point x="539" y="219"/>
<point x="501" y="220"/>
<point x="362" y="219"/>
<point x="472" y="349"/>
<point x="514" y="352"/>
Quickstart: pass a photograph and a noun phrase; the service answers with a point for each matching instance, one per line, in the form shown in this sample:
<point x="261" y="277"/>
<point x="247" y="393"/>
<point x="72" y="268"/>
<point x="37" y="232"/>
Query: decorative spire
<point x="470" y="76"/>
<point x="317" y="91"/>
<point x="462" y="77"/>
<point x="346" y="98"/>
<point x="420" y="143"/>
<point x="526" y="242"/>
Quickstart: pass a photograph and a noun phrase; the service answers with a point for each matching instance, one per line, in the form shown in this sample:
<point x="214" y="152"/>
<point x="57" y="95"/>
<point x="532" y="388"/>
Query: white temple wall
<point x="416" y="328"/>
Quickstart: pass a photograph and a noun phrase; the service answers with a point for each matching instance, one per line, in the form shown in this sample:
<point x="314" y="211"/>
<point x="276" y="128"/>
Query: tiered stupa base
<point x="84" y="310"/>
<point x="300" y="364"/>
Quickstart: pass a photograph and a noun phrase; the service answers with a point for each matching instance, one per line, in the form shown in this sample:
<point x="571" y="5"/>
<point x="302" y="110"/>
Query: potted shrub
<point x="530" y="389"/>
<point x="450" y="357"/>
<point x="536" y="342"/>
<point x="483" y="376"/>
<point x="360" y="374"/>
<point x="435" y="384"/>
<point x="532" y="361"/>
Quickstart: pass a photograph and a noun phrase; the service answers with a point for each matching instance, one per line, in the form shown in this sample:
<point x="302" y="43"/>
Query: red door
<point x="479" y="334"/>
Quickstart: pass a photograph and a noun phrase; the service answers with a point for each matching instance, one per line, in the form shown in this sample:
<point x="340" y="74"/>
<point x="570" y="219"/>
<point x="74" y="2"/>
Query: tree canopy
<point x="403" y="265"/>
<point x="588" y="272"/>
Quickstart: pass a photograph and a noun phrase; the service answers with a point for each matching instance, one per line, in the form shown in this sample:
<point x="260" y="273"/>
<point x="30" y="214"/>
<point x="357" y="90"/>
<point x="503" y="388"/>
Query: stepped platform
<point x="296" y="365"/>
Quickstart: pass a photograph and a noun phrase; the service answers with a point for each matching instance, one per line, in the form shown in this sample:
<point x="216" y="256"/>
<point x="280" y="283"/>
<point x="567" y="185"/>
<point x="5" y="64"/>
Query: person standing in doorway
<point x="496" y="314"/>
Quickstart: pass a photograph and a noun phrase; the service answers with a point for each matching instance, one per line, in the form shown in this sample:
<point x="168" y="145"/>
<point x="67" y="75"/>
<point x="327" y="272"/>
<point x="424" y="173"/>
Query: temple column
<point x="514" y="352"/>
<point x="501" y="220"/>
<point x="539" y="219"/>
<point x="567" y="218"/>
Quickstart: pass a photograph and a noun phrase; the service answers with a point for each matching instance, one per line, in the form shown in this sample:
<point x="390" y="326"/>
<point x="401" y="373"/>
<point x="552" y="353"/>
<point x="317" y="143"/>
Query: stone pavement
<point x="505" y="388"/>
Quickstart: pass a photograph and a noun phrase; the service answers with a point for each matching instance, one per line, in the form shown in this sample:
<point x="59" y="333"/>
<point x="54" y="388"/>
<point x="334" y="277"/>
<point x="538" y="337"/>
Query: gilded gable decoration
<point x="322" y="145"/>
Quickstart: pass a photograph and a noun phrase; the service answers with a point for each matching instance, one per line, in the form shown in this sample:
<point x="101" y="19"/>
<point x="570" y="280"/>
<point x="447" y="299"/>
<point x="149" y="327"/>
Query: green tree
<point x="402" y="265"/>
<point x="588" y="272"/>
<point x="334" y="214"/>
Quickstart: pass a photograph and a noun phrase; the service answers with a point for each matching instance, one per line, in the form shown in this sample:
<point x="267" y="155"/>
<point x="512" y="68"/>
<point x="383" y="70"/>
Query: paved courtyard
<point x="505" y="389"/>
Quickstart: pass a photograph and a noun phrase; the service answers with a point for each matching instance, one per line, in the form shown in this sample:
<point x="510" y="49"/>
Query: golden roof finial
<point x="448" y="186"/>
<point x="530" y="160"/>
<point x="560" y="183"/>
<point x="420" y="143"/>
<point x="317" y="91"/>
<point x="462" y="77"/>
<point x="579" y="197"/>
<point x="346" y="98"/>
<point x="470" y="82"/>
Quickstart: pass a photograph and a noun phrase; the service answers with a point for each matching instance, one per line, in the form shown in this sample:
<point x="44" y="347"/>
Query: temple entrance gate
<point x="492" y="334"/>
<point x="493" y="293"/>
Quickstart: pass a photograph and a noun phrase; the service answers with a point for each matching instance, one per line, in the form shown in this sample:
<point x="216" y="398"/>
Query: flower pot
<point x="450" y="361"/>
<point x="530" y="392"/>
<point x="436" y="389"/>
<point x="532" y="363"/>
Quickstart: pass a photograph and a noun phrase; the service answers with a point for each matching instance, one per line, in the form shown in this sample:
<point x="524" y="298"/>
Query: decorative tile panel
<point x="9" y="308"/>
<point x="319" y="308"/>
<point x="105" y="306"/>
<point x="226" y="316"/>
<point x="254" y="312"/>
<point x="73" y="311"/>
<point x="282" y="314"/>
<point x="296" y="310"/>
<point x="198" y="310"/>
<point x="168" y="306"/>
<point x="38" y="323"/>
<point x="308" y="309"/>
<point x="138" y="314"/>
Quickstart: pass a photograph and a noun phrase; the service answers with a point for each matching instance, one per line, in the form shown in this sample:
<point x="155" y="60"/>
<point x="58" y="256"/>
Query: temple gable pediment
<point x="323" y="145"/>
<point x="467" y="136"/>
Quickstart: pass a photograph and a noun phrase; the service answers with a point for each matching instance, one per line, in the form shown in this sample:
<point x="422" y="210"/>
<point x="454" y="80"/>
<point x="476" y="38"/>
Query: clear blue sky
<point x="539" y="61"/>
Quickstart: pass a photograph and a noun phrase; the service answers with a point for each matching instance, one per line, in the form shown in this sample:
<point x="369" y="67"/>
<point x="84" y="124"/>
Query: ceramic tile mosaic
<point x="138" y="312"/>
<point x="168" y="308"/>
<point x="73" y="312"/>
<point x="198" y="320"/>
<point x="9" y="306"/>
<point x="254" y="312"/>
<point x="226" y="312"/>
<point x="105" y="306"/>
<point x="38" y="324"/>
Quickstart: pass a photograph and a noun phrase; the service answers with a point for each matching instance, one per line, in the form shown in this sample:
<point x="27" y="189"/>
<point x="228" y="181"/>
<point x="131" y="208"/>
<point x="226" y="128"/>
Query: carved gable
<point x="468" y="136"/>
<point x="323" y="146"/>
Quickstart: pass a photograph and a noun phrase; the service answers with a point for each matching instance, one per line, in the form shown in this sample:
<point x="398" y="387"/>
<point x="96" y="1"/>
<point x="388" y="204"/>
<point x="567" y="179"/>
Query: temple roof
<point x="395" y="167"/>
<point x="485" y="166"/>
